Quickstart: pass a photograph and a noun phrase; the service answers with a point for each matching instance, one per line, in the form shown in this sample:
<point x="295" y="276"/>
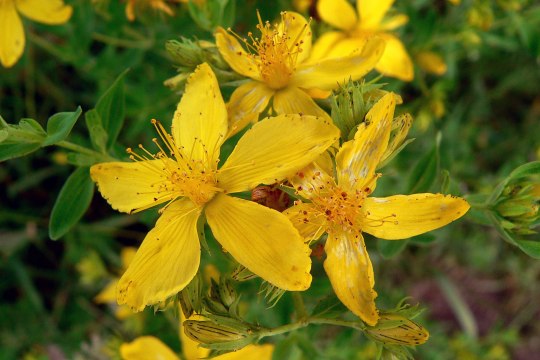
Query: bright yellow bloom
<point x="184" y="175"/>
<point x="276" y="63"/>
<point x="160" y="5"/>
<point x="108" y="294"/>
<point x="356" y="27"/>
<point x="341" y="207"/>
<point x="50" y="12"/>
<point x="149" y="347"/>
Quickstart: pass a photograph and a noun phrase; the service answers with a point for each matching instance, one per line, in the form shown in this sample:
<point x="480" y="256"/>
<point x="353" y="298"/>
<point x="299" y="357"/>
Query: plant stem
<point x="83" y="150"/>
<point x="308" y="321"/>
<point x="299" y="306"/>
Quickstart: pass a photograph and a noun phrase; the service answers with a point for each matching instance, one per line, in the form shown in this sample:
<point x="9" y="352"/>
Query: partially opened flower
<point x="341" y="207"/>
<point x="357" y="27"/>
<point x="12" y="40"/>
<point x="275" y="62"/>
<point x="184" y="176"/>
<point x="150" y="347"/>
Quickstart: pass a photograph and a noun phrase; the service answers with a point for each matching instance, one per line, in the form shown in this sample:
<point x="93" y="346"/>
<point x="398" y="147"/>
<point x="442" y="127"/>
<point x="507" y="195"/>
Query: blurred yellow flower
<point x="356" y="27"/>
<point x="341" y="208"/>
<point x="184" y="176"/>
<point x="275" y="61"/>
<point x="431" y="62"/>
<point x="50" y="12"/>
<point x="150" y="347"/>
<point x="160" y="5"/>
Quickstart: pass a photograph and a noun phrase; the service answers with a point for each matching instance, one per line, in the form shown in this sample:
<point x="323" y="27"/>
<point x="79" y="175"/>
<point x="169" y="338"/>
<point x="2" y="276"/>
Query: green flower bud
<point x="395" y="329"/>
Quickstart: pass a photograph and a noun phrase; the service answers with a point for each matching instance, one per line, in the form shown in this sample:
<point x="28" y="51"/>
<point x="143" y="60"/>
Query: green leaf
<point x="98" y="135"/>
<point x="425" y="172"/>
<point x="529" y="247"/>
<point x="111" y="109"/>
<point x="390" y="248"/>
<point x="31" y="125"/>
<point x="423" y="239"/>
<point x="72" y="202"/>
<point x="11" y="151"/>
<point x="59" y="126"/>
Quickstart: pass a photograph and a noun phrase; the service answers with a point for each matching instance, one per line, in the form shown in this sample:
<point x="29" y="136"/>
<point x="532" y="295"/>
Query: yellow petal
<point x="166" y="261"/>
<point x="350" y="271"/>
<point x="127" y="254"/>
<point x="145" y="348"/>
<point x="394" y="22"/>
<point x="246" y="103"/>
<point x="131" y="186"/>
<point x="400" y="129"/>
<point x="293" y="100"/>
<point x="395" y="61"/>
<point x="402" y="216"/>
<point x="307" y="220"/>
<point x="298" y="33"/>
<point x="235" y="55"/>
<point x="275" y="148"/>
<point x="312" y="181"/>
<point x="324" y="45"/>
<point x="200" y="121"/>
<point x="357" y="159"/>
<point x="190" y="348"/>
<point x="372" y="12"/>
<point x="108" y="294"/>
<point x="338" y="13"/>
<point x="431" y="62"/>
<point x="252" y="352"/>
<point x="11" y="34"/>
<point x="261" y="239"/>
<point x="326" y="74"/>
<point x="50" y="12"/>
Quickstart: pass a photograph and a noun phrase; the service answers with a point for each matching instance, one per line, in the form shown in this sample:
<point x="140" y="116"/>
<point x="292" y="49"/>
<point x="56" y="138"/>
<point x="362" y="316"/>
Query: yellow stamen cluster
<point x="274" y="52"/>
<point x="177" y="172"/>
<point x="341" y="208"/>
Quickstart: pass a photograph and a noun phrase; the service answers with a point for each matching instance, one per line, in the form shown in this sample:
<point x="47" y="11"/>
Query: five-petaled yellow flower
<point x="276" y="64"/>
<point x="184" y="175"/>
<point x="339" y="205"/>
<point x="150" y="347"/>
<point x="50" y="12"/>
<point x="357" y="27"/>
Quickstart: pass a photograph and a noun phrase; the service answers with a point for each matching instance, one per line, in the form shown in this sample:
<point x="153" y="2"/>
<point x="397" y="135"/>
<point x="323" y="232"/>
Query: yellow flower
<point x="431" y="62"/>
<point x="149" y="347"/>
<point x="160" y="5"/>
<point x="341" y="207"/>
<point x="184" y="175"/>
<point x="50" y="12"/>
<point x="356" y="27"/>
<point x="276" y="63"/>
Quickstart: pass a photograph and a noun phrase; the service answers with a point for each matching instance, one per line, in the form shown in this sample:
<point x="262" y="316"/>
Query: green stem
<point x="299" y="306"/>
<point x="132" y="44"/>
<point x="309" y="321"/>
<point x="83" y="150"/>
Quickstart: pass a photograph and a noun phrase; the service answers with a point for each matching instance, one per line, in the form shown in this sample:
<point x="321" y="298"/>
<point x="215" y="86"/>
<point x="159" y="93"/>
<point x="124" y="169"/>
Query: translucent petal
<point x="350" y="271"/>
<point x="166" y="261"/>
<point x="402" y="216"/>
<point x="50" y="12"/>
<point x="133" y="186"/>
<point x="371" y="12"/>
<point x="307" y="220"/>
<point x="338" y="13"/>
<point x="246" y="103"/>
<point x="357" y="159"/>
<point x="200" y="121"/>
<point x="235" y="55"/>
<point x="145" y="348"/>
<point x="254" y="352"/>
<point x="274" y="149"/>
<point x="261" y="239"/>
<point x="11" y="34"/>
<point x="293" y="100"/>
<point x="312" y="181"/>
<point x="298" y="33"/>
<point x="327" y="73"/>
<point x="395" y="61"/>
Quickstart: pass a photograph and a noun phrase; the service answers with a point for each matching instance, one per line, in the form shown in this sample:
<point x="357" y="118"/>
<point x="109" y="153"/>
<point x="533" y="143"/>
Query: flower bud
<point x="519" y="206"/>
<point x="395" y="329"/>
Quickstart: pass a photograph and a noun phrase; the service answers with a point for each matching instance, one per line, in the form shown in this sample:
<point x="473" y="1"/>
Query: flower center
<point x="177" y="173"/>
<point x="342" y="208"/>
<point x="275" y="52"/>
